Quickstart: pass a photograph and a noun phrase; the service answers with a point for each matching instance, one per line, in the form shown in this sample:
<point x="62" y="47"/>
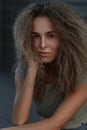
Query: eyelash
<point x="35" y="36"/>
<point x="50" y="35"/>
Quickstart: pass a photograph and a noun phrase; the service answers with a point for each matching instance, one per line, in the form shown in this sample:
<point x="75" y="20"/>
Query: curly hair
<point x="71" y="62"/>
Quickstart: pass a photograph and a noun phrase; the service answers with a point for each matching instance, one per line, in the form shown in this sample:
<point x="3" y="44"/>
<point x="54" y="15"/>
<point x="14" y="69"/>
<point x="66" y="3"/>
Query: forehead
<point x="42" y="23"/>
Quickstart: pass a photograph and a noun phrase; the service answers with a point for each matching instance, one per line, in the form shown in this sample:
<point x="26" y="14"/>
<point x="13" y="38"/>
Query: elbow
<point x="17" y="122"/>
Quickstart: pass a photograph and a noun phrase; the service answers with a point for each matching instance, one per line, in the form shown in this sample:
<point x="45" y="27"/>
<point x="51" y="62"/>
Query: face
<point x="45" y="39"/>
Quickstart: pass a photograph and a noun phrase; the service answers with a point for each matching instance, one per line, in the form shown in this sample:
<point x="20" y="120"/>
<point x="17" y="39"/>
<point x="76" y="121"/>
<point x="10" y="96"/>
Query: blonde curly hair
<point x="72" y="55"/>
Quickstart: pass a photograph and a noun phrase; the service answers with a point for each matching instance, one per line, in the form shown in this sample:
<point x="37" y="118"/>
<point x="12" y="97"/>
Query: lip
<point x="44" y="54"/>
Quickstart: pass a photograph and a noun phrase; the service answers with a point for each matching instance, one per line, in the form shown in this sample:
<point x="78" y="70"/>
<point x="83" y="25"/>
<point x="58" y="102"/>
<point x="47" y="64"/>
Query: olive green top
<point x="50" y="103"/>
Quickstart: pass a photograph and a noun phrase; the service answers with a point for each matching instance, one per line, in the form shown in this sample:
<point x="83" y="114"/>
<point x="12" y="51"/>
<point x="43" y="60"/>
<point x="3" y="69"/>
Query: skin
<point x="24" y="91"/>
<point x="45" y="39"/>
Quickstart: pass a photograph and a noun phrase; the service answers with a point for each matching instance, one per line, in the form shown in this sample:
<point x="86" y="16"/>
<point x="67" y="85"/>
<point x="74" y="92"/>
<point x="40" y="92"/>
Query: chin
<point x="46" y="61"/>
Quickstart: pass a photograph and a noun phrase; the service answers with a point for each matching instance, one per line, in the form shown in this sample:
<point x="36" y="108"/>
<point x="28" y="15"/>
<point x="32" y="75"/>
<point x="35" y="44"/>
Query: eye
<point x="35" y="36"/>
<point x="51" y="36"/>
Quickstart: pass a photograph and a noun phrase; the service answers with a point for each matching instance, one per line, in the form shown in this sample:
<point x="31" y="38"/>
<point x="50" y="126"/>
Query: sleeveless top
<point x="50" y="103"/>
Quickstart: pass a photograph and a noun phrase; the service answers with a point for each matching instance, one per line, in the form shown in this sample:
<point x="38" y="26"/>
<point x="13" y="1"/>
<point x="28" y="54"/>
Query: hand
<point x="31" y="57"/>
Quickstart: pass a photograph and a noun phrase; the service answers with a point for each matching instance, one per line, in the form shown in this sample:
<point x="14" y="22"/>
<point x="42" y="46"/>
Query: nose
<point x="43" y="42"/>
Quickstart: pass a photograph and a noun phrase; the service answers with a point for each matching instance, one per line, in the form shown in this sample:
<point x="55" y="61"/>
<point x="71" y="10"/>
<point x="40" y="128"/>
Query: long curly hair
<point x="71" y="62"/>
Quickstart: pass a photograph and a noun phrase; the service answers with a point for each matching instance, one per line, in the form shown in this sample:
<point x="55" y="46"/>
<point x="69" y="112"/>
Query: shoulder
<point x="81" y="79"/>
<point x="81" y="76"/>
<point x="81" y="83"/>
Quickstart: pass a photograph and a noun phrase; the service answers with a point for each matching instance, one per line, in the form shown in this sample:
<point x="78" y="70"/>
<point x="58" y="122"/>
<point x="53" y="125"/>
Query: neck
<point x="49" y="66"/>
<point x="51" y="73"/>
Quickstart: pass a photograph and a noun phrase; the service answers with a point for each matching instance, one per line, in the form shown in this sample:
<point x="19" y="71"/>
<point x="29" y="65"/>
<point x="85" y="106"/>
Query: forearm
<point x="23" y="99"/>
<point x="45" y="124"/>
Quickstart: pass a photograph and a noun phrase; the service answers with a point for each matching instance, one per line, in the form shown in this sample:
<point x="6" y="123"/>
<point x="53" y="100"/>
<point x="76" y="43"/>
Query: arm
<point x="64" y="113"/>
<point x="24" y="89"/>
<point x="23" y="97"/>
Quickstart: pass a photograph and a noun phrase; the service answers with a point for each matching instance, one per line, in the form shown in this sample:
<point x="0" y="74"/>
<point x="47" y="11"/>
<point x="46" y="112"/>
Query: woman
<point x="51" y="47"/>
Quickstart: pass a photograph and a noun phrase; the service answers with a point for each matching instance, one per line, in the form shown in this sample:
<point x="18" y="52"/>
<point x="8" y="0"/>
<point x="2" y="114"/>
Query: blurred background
<point x="8" y="12"/>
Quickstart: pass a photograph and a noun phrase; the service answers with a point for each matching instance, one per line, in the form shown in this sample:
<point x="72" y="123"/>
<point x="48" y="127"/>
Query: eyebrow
<point x="45" y="33"/>
<point x="50" y="32"/>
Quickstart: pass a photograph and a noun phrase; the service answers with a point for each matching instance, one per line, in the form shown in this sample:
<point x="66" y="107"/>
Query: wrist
<point x="32" y="69"/>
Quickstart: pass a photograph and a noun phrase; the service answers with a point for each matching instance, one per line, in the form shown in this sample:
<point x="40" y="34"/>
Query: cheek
<point x="35" y="46"/>
<point x="55" y="46"/>
<point x="36" y="42"/>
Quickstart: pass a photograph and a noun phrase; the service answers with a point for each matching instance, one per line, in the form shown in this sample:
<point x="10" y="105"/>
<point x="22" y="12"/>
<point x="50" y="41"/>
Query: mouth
<point x="44" y="54"/>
